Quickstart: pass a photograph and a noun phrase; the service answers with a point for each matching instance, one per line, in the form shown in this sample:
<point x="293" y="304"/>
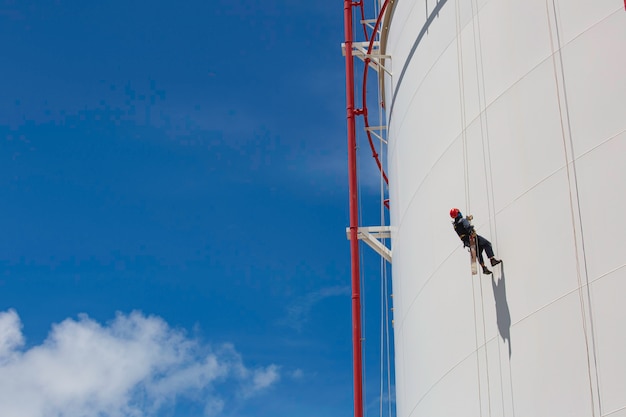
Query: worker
<point x="464" y="229"/>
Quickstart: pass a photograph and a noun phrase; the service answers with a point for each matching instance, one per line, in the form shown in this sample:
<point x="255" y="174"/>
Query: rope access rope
<point x="475" y="12"/>
<point x="491" y="207"/>
<point x="383" y="289"/>
<point x="573" y="177"/>
<point x="386" y="265"/>
<point x="381" y="347"/>
<point x="460" y="71"/>
<point x="388" y="342"/>
<point x="385" y="351"/>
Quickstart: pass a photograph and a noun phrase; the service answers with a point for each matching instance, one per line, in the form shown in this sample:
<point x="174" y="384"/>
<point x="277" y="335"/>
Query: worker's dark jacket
<point x="463" y="228"/>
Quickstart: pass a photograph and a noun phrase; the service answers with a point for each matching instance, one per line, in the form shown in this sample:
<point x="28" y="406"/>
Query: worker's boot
<point x="495" y="261"/>
<point x="486" y="271"/>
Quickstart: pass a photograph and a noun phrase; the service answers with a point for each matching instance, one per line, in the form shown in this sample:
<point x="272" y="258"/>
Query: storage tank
<point x="514" y="112"/>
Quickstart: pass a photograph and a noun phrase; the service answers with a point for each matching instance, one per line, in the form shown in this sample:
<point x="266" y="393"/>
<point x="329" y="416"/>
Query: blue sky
<point x="174" y="198"/>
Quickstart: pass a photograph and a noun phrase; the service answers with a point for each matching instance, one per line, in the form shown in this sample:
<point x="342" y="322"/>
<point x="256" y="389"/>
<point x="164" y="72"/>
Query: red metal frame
<point x="351" y="113"/>
<point x="364" y="91"/>
<point x="354" y="213"/>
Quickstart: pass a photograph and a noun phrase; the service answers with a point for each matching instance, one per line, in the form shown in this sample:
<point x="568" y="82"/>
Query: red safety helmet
<point x="454" y="212"/>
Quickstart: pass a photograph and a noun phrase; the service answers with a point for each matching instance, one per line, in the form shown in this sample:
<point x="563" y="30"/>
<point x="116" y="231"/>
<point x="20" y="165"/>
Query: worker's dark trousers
<point x="484" y="245"/>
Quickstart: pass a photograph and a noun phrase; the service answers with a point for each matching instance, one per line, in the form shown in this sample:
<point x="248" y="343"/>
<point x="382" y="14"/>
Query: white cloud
<point x="213" y="407"/>
<point x="264" y="377"/>
<point x="299" y="310"/>
<point x="10" y="334"/>
<point x="131" y="367"/>
<point x="297" y="374"/>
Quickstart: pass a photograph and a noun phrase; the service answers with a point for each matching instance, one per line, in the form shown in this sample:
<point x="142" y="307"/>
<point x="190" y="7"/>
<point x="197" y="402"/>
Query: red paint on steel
<point x="364" y="91"/>
<point x="354" y="214"/>
<point x="363" y="19"/>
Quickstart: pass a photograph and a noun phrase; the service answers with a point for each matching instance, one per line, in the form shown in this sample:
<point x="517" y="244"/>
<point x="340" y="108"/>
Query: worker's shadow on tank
<point x="502" y="308"/>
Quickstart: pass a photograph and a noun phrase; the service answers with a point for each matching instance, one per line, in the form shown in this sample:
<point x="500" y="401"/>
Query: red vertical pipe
<point x="354" y="214"/>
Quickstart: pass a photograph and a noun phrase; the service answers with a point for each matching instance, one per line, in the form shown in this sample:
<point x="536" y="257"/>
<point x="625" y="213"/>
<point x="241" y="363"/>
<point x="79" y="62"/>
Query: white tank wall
<point x="539" y="100"/>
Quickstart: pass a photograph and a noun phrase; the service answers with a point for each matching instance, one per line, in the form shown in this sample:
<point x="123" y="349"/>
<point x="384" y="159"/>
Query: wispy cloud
<point x="262" y="379"/>
<point x="133" y="366"/>
<point x="299" y="310"/>
<point x="297" y="374"/>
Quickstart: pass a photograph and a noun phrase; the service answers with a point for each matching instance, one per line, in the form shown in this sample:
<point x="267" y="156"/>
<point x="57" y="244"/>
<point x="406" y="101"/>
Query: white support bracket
<point x="369" y="23"/>
<point x="375" y="129"/>
<point x="371" y="235"/>
<point x="359" y="50"/>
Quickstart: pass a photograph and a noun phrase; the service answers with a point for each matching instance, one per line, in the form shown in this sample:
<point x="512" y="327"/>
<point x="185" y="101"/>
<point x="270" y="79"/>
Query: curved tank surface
<point x="514" y="112"/>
